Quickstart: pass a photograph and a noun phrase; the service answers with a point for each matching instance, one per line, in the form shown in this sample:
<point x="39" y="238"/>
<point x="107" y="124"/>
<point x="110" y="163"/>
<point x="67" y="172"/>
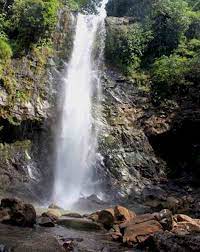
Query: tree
<point x="125" y="46"/>
<point x="33" y="20"/>
<point x="170" y="21"/>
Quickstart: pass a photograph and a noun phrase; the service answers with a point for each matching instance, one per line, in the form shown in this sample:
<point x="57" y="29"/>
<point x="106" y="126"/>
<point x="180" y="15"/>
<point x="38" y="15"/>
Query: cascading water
<point x="76" y="142"/>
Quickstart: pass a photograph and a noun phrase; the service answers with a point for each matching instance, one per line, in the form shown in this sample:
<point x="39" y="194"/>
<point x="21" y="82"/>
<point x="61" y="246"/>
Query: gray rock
<point x="45" y="222"/>
<point x="168" y="241"/>
<point x="79" y="224"/>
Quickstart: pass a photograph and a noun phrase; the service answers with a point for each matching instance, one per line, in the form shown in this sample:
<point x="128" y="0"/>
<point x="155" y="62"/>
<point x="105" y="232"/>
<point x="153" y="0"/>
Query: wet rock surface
<point x="56" y="238"/>
<point x="129" y="163"/>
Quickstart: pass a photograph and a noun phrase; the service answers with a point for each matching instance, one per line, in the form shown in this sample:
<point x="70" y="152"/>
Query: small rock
<point x="165" y="219"/>
<point x="94" y="216"/>
<point x="68" y="245"/>
<point x="172" y="203"/>
<point x="46" y="222"/>
<point x="115" y="233"/>
<point x="71" y="239"/>
<point x="116" y="236"/>
<point x="54" y="206"/>
<point x="4" y="248"/>
<point x="4" y="215"/>
<point x="53" y="214"/>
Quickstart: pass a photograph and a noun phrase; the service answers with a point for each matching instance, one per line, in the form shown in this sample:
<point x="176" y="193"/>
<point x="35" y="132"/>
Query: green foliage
<point x="195" y="4"/>
<point x="32" y="20"/>
<point x="24" y="23"/>
<point x="76" y="5"/>
<point x="169" y="22"/>
<point x="5" y="50"/>
<point x="171" y="75"/>
<point x="170" y="70"/>
<point x="194" y="27"/>
<point x="189" y="48"/>
<point x="4" y="24"/>
<point x="140" y="9"/>
<point x="125" y="47"/>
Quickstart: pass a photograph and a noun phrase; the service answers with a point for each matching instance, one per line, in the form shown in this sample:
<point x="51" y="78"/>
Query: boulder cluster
<point x="151" y="231"/>
<point x="159" y="231"/>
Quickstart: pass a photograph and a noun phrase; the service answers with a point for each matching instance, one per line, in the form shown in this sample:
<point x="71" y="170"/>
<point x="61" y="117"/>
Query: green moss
<point x="110" y="141"/>
<point x="24" y="81"/>
<point x="7" y="150"/>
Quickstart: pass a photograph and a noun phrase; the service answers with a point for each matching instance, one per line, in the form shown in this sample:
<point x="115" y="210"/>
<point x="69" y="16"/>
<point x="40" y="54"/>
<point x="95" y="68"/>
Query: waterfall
<point x="76" y="141"/>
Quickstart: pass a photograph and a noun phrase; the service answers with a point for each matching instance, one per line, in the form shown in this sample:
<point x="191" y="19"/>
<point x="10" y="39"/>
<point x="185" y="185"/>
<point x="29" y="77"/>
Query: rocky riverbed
<point x="24" y="228"/>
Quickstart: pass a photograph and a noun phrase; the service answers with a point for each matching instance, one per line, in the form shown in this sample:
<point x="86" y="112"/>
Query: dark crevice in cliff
<point x="180" y="148"/>
<point x="10" y="133"/>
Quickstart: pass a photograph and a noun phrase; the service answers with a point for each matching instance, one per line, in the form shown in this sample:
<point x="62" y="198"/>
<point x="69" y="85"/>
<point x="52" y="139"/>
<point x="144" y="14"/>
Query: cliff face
<point x="150" y="150"/>
<point x="129" y="159"/>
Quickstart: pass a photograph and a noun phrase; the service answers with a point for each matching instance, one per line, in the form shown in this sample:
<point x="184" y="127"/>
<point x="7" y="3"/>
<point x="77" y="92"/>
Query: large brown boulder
<point x="137" y="233"/>
<point x="137" y="220"/>
<point x="16" y="212"/>
<point x="111" y="216"/>
<point x="107" y="217"/>
<point x="185" y="224"/>
<point x="123" y="214"/>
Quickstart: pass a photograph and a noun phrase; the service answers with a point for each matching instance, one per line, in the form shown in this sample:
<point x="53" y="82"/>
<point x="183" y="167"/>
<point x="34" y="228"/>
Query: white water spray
<point x="76" y="141"/>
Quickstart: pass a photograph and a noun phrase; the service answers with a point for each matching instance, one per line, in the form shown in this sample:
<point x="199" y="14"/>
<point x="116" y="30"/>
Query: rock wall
<point x="148" y="149"/>
<point x="129" y="161"/>
<point x="28" y="87"/>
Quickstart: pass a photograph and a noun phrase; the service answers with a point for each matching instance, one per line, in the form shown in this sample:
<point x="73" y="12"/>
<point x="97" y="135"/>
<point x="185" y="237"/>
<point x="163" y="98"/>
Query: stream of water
<point x="76" y="141"/>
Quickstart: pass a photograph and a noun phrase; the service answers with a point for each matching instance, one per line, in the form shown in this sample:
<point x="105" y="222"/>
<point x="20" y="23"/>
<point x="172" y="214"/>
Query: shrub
<point x="194" y="27"/>
<point x="139" y="9"/>
<point x="76" y="5"/>
<point x="169" y="23"/>
<point x="33" y="20"/>
<point x="168" y="74"/>
<point x="125" y="46"/>
<point x="5" y="50"/>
